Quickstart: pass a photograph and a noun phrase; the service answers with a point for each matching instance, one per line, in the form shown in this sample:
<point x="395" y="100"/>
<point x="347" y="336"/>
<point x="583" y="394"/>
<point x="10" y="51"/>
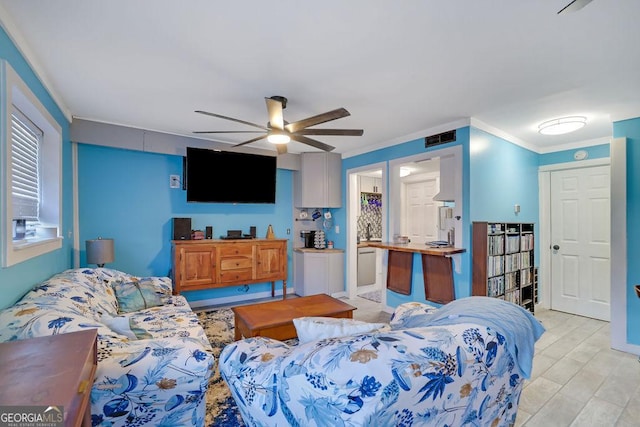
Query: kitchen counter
<point x="416" y="248"/>
<point x="437" y="269"/>
<point x="366" y="243"/>
<point x="312" y="250"/>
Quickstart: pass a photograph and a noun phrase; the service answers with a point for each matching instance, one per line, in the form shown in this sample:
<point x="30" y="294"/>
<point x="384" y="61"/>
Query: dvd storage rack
<point x="503" y="262"/>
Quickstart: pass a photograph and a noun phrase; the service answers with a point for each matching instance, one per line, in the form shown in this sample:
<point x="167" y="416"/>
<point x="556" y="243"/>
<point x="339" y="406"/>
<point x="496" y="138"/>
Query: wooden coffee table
<point x="275" y="319"/>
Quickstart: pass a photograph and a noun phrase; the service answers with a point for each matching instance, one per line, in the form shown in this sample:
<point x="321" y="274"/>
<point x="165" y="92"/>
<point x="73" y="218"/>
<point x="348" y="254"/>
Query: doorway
<point x="420" y="211"/>
<point x="577" y="228"/>
<point x="367" y="221"/>
<point x="425" y="196"/>
<point x="396" y="175"/>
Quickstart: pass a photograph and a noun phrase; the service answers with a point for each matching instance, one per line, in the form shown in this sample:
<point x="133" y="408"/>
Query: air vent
<point x="441" y="138"/>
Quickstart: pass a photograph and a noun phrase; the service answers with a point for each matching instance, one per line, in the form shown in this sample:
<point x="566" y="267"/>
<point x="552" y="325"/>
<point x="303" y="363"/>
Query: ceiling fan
<point x="280" y="132"/>
<point x="574" y="6"/>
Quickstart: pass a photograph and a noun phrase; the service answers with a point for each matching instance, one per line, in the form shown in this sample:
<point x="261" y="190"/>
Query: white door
<point x="422" y="210"/>
<point x="580" y="241"/>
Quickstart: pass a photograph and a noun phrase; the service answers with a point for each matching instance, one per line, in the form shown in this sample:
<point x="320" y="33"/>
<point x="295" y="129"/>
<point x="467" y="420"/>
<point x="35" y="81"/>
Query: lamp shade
<point x="100" y="251"/>
<point x="278" y="137"/>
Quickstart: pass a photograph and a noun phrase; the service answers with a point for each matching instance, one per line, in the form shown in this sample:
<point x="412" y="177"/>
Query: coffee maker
<point x="309" y="238"/>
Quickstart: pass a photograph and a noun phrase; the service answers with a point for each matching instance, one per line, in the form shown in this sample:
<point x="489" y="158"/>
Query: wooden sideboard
<point x="55" y="370"/>
<point x="207" y="264"/>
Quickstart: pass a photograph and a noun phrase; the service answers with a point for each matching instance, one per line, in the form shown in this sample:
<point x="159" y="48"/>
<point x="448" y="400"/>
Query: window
<point x="32" y="164"/>
<point x="25" y="174"/>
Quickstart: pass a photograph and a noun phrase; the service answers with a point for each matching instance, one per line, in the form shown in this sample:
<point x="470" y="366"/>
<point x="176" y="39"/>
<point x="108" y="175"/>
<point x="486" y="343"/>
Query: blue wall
<point x="566" y="156"/>
<point x="125" y="195"/>
<point x="496" y="175"/>
<point x="631" y="130"/>
<point x="16" y="280"/>
<point x="502" y="175"/>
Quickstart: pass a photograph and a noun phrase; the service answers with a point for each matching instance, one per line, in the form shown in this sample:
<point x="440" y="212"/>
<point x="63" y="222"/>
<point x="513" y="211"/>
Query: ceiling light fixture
<point x="562" y="125"/>
<point x="276" y="137"/>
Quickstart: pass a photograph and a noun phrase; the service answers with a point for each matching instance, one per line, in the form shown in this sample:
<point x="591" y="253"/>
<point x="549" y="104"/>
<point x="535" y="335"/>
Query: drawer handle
<point x="82" y="387"/>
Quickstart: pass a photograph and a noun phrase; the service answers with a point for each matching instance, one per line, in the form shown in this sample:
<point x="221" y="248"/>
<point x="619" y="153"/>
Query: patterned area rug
<point x="221" y="408"/>
<point x="374" y="296"/>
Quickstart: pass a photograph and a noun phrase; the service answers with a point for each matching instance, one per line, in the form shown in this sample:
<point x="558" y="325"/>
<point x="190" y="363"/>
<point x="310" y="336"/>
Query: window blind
<point x="25" y="188"/>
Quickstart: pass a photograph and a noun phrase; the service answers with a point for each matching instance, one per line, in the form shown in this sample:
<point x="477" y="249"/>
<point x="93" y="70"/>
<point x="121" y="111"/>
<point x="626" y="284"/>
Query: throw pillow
<point x="136" y="294"/>
<point x="316" y="328"/>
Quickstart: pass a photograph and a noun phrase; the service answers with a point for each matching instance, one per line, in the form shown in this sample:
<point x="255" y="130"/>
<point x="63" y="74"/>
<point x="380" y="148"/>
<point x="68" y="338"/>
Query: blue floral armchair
<point x="154" y="363"/>
<point x="414" y="374"/>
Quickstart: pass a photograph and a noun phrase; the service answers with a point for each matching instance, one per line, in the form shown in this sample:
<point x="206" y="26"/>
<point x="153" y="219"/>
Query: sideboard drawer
<point x="235" y="250"/>
<point x="235" y="263"/>
<point x="240" y="275"/>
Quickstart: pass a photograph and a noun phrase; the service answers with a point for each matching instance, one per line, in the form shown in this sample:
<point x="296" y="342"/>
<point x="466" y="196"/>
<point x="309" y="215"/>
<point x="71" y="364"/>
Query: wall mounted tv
<point x="212" y="176"/>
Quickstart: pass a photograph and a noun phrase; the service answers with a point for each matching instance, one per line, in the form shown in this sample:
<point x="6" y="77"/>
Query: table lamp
<point x="100" y="251"/>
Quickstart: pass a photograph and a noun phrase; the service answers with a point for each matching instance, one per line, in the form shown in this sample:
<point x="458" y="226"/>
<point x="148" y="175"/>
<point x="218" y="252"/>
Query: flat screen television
<point x="212" y="176"/>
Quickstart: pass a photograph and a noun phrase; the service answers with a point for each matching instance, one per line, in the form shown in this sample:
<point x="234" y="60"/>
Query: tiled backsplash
<point x="370" y="213"/>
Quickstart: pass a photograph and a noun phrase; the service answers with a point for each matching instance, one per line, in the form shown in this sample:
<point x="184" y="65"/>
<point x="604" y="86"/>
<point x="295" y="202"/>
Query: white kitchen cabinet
<point x="370" y="184"/>
<point x="318" y="182"/>
<point x="318" y="272"/>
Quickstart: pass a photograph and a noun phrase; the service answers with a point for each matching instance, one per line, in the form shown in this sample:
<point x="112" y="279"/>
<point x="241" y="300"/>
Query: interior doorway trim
<point x="544" y="184"/>
<point x="353" y="198"/>
<point x="619" y="284"/>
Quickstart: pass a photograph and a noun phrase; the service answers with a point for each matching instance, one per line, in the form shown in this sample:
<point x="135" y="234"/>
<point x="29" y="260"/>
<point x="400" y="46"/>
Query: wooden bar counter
<point x="437" y="269"/>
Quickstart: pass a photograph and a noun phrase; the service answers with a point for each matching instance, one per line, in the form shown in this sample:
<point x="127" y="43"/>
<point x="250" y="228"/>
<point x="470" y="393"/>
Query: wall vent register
<point x="441" y="138"/>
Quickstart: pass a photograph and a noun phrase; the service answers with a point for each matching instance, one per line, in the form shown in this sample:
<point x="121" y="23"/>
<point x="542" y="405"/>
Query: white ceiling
<point x="403" y="69"/>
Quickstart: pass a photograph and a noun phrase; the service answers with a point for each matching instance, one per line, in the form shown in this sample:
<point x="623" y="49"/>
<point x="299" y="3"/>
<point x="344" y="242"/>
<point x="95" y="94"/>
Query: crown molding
<point x="456" y="124"/>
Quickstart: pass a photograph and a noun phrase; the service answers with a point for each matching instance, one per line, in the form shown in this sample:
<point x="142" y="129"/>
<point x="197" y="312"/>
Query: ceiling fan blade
<point x="312" y="142"/>
<point x="258" y="138"/>
<point x="343" y="132"/>
<point x="316" y="120"/>
<point x="227" y="131"/>
<point x="282" y="148"/>
<point x="274" y="107"/>
<point x="231" y="118"/>
<point x="574" y="6"/>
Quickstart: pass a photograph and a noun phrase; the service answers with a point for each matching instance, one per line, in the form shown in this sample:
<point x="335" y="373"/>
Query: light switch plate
<point x="174" y="181"/>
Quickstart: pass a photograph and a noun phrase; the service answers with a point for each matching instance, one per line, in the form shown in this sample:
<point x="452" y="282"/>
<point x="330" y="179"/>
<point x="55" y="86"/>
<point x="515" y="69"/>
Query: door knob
<point x="556" y="247"/>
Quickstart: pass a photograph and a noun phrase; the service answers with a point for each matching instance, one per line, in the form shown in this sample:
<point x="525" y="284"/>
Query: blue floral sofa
<point x="462" y="364"/>
<point x="154" y="363"/>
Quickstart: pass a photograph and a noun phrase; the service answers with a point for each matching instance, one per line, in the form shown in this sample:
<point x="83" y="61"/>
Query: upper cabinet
<point x="317" y="183"/>
<point x="370" y="184"/>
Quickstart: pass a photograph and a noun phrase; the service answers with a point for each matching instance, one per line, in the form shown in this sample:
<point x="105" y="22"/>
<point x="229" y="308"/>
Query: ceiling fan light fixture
<point x="278" y="138"/>
<point x="562" y="125"/>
